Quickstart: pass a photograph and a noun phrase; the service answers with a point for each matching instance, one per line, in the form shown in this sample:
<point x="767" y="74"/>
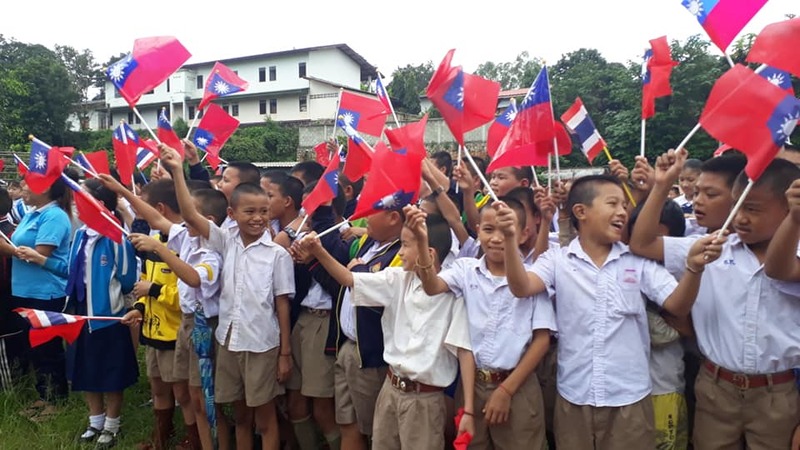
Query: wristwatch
<point x="436" y="191"/>
<point x="290" y="232"/>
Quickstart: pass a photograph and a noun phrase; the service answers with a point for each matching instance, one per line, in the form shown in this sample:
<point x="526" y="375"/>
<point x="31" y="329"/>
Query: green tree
<point x="408" y="84"/>
<point x="516" y="74"/>
<point x="269" y="142"/>
<point x="83" y="73"/>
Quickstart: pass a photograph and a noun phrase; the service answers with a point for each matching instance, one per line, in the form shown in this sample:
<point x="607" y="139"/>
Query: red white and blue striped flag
<point x="577" y="119"/>
<point x="47" y="325"/>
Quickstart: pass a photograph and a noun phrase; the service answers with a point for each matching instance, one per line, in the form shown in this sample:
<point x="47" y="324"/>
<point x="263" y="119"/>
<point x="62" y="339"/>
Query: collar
<point x="618" y="249"/>
<point x="43" y="207"/>
<point x="484" y="270"/>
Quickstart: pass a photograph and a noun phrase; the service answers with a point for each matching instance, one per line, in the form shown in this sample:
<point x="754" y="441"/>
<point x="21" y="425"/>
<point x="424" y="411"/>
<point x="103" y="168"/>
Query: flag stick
<point x="624" y="185"/>
<point x="750" y="184"/>
<point x="552" y="114"/>
<point x="8" y="239"/>
<point x="549" y="173"/>
<point x="336" y="115"/>
<point x="105" y="215"/>
<point x="688" y="136"/>
<point x="458" y="164"/>
<point x="480" y="174"/>
<point x="144" y="122"/>
<point x="333" y="228"/>
<point x="728" y="58"/>
<point x="558" y="165"/>
<point x="644" y="132"/>
<point x="535" y="178"/>
<point x="109" y="318"/>
<point x="303" y="223"/>
<point x="391" y="107"/>
<point x="194" y="122"/>
<point x="85" y="169"/>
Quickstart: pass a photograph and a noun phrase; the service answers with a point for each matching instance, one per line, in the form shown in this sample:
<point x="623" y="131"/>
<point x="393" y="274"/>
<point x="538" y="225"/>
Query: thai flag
<point x="144" y="157"/>
<point x="577" y="119"/>
<point x="723" y="19"/>
<point x="47" y="325"/>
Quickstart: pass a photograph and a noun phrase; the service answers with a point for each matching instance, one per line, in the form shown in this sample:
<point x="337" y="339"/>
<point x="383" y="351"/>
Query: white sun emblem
<point x="788" y="126"/>
<point x="777" y="79"/>
<point x="389" y="201"/>
<point x="130" y="134"/>
<point x="117" y="70"/>
<point x="695" y="7"/>
<point x="40" y="160"/>
<point x="202" y="142"/>
<point x="460" y="96"/>
<point x="221" y="87"/>
<point x="511" y="114"/>
<point x="348" y="118"/>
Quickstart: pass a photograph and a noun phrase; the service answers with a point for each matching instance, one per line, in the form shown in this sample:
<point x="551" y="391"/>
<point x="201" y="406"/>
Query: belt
<point x="491" y="376"/>
<point x="317" y="312"/>
<point x="408" y="385"/>
<point x="745" y="382"/>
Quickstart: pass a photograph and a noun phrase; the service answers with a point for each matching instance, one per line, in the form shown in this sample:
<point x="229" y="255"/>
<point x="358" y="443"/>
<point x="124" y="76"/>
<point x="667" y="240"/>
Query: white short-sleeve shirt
<point x="207" y="264"/>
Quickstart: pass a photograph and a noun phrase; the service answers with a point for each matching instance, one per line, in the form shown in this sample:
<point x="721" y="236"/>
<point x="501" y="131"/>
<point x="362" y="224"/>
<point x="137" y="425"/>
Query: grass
<point x="62" y="430"/>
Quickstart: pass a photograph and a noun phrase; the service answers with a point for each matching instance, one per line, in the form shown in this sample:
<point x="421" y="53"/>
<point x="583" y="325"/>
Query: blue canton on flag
<point x="645" y="69"/>
<point x="202" y="139"/>
<point x="349" y="117"/>
<point x="38" y="161"/>
<point x="783" y="120"/>
<point x="332" y="179"/>
<point x="507" y="116"/>
<point x="349" y="130"/>
<point x="163" y="120"/>
<point x="539" y="91"/>
<point x="394" y="201"/>
<point x="455" y="93"/>
<point x="700" y="8"/>
<point x="777" y="77"/>
<point x="119" y="71"/>
<point x="221" y="87"/>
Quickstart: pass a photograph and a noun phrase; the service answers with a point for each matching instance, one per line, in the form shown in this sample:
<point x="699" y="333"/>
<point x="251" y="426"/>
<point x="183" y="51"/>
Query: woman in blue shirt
<point x="45" y="229"/>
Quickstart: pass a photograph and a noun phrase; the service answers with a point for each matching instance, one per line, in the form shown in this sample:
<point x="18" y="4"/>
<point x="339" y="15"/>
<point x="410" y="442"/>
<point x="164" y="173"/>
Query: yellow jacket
<point x="161" y="312"/>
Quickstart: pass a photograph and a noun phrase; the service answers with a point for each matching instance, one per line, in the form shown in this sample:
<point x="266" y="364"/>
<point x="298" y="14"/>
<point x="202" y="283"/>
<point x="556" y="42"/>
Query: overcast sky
<point x="387" y="34"/>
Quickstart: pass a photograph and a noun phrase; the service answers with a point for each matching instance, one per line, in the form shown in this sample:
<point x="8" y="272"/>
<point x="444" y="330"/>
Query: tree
<point x="100" y="81"/>
<point x="269" y="142"/>
<point x="84" y="72"/>
<point x="516" y="74"/>
<point x="408" y="84"/>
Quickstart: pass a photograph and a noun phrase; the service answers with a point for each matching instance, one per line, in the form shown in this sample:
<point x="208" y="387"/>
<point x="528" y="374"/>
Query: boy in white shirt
<point x="509" y="336"/>
<point x="254" y="355"/>
<point x="422" y="335"/>
<point x="603" y="372"/>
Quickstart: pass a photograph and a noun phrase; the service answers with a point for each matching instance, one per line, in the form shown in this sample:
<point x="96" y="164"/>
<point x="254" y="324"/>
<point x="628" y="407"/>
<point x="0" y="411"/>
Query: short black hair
<point x="248" y="172"/>
<point x="692" y="164"/>
<point x="309" y="170"/>
<point x="161" y="191"/>
<point x="212" y="203"/>
<point x="777" y="177"/>
<point x="275" y="176"/>
<point x="583" y="191"/>
<point x="293" y="188"/>
<point x="525" y="196"/>
<point x="728" y="166"/>
<point x="5" y="201"/>
<point x="357" y="185"/>
<point x="101" y="193"/>
<point x="245" y="189"/>
<point x="194" y="185"/>
<point x="480" y="162"/>
<point x="517" y="207"/>
<point x="521" y="173"/>
<point x="671" y="216"/>
<point x="14" y="184"/>
<point x="444" y="159"/>
<point x="439" y="236"/>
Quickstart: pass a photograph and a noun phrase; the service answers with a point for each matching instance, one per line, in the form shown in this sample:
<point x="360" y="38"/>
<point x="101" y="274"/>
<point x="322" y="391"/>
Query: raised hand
<point x="643" y="174"/>
<point x="415" y="221"/>
<point x="793" y="198"/>
<point x="669" y="166"/>
<point x="506" y="219"/>
<point x="618" y="170"/>
<point x="169" y="158"/>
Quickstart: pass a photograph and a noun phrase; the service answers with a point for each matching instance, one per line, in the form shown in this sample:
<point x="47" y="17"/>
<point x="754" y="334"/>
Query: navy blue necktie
<point x="75" y="283"/>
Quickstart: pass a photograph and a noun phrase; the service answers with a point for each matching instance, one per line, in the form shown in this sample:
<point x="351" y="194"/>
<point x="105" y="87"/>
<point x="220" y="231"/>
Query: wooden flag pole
<point x="624" y="185"/>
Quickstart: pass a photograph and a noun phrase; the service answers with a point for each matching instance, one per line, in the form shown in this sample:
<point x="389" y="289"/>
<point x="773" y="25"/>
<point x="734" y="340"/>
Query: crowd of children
<point x="565" y="318"/>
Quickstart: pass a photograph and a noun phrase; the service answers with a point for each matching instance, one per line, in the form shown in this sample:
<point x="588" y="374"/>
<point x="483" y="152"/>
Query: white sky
<point x="387" y="34"/>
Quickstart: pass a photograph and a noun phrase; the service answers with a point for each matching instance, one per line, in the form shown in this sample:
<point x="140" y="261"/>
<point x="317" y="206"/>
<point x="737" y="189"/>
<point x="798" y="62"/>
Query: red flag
<point x="499" y="128"/>
<point x="125" y="142"/>
<point x="214" y="161"/>
<point x="167" y="135"/>
<point x="534" y="154"/>
<point x="321" y="153"/>
<point x="22" y="168"/>
<point x="221" y="82"/>
<point x="393" y="182"/>
<point x="45" y="166"/>
<point x="93" y="213"/>
<point x="656" y="71"/>
<point x="776" y="46"/>
<point x="409" y="138"/>
<point x="326" y="189"/>
<point x="48" y="325"/>
<point x="462" y="440"/>
<point x="359" y="156"/>
<point x="98" y="161"/>
<point x="752" y="115"/>
<point x="214" y="129"/>
<point x="722" y="149"/>
<point x="152" y="61"/>
<point x="366" y="115"/>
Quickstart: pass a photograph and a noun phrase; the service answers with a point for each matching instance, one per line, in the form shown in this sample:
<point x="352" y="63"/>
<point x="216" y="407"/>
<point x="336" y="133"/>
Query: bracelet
<point x="694" y="271"/>
<point x="467" y="413"/>
<point x="421" y="267"/>
<point x="505" y="390"/>
<point x="286" y="354"/>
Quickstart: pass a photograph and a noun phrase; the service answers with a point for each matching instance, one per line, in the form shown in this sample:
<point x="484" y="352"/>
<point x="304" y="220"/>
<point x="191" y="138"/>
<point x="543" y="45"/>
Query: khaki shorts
<point x="194" y="360"/>
<point x="160" y="364"/>
<point x="183" y="348"/>
<point x="409" y="420"/>
<point x="624" y="427"/>
<point x="246" y="375"/>
<point x="312" y="369"/>
<point x="356" y="389"/>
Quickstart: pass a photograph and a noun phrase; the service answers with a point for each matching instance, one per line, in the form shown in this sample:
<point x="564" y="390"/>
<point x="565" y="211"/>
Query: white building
<point x="286" y="86"/>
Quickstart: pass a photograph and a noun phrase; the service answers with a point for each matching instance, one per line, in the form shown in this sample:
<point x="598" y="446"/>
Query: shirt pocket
<point x="626" y="298"/>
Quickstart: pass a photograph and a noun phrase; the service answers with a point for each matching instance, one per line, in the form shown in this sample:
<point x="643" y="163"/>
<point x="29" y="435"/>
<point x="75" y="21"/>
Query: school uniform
<point x="667" y="375"/>
<point x="248" y="333"/>
<point x="204" y="298"/>
<point x="603" y="345"/>
<point x="501" y="328"/>
<point x="746" y="327"/>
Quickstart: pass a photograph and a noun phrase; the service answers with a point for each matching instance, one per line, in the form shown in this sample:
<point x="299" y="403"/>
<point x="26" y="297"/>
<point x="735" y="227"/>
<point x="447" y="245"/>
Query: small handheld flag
<point x="723" y="19"/>
<point x="48" y="325"/>
<point x="577" y="119"/>
<point x="221" y="82"/>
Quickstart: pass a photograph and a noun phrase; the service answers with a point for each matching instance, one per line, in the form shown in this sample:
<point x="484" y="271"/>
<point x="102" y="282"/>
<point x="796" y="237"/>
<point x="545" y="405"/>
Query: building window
<point x="273" y="106"/>
<point x="191" y="112"/>
<point x="301" y="69"/>
<point x="262" y="74"/>
<point x="133" y="118"/>
<point x="273" y="73"/>
<point x="199" y="82"/>
<point x="167" y="84"/>
<point x="226" y="109"/>
<point x="262" y="106"/>
<point x="150" y="92"/>
<point x="303" y="103"/>
<point x="235" y="109"/>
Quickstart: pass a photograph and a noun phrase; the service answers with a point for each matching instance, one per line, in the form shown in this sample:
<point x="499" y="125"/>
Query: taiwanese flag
<point x="465" y="101"/>
<point x="93" y="213"/>
<point x="383" y="96"/>
<point x="96" y="162"/>
<point x="359" y="155"/>
<point x="409" y="138"/>
<point x="48" y="325"/>
<point x="393" y="182"/>
<point x="125" y="142"/>
<point x="22" y="168"/>
<point x="751" y="115"/>
<point x="221" y="82"/>
<point x="321" y="154"/>
<point x="778" y="77"/>
<point x="776" y="45"/>
<point x="364" y="114"/>
<point x="326" y="189"/>
<point x="166" y="134"/>
<point x="214" y="161"/>
<point x="534" y="154"/>
<point x="152" y="61"/>
<point x="723" y="19"/>
<point x="499" y="128"/>
<point x="45" y="166"/>
<point x="214" y="129"/>
<point x="656" y="70"/>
